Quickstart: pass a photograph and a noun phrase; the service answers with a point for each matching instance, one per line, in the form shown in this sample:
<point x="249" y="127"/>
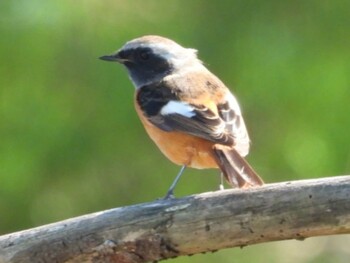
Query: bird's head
<point x="149" y="59"/>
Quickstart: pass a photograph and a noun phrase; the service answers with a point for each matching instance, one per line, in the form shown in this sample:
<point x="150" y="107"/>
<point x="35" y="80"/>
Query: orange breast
<point x="180" y="148"/>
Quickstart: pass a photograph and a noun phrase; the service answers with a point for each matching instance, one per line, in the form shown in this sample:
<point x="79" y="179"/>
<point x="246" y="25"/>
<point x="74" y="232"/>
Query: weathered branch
<point x="190" y="225"/>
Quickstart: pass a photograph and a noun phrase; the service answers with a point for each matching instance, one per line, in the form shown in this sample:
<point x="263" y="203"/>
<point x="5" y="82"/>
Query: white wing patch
<point x="178" y="107"/>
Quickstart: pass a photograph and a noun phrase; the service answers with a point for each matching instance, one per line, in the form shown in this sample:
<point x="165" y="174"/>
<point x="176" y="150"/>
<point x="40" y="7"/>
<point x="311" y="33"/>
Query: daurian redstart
<point x="187" y="111"/>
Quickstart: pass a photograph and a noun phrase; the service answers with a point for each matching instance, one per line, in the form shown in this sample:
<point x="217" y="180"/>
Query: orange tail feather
<point x="235" y="168"/>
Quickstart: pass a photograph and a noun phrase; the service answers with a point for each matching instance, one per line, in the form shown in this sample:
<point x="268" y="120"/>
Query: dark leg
<point x="170" y="193"/>
<point x="221" y="185"/>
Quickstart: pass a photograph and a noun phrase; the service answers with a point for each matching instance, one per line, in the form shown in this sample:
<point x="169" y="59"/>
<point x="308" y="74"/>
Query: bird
<point x="190" y="114"/>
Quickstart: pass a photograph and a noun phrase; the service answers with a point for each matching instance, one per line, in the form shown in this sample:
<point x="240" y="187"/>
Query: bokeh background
<point x="71" y="143"/>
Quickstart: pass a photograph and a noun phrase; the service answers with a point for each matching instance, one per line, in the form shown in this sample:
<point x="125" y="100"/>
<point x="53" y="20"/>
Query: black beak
<point x="112" y="58"/>
<point x="115" y="58"/>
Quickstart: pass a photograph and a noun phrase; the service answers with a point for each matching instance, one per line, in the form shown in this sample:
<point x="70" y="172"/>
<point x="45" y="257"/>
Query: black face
<point x="145" y="66"/>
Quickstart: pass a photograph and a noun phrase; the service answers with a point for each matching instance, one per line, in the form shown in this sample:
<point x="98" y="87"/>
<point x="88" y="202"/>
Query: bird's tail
<point x="235" y="168"/>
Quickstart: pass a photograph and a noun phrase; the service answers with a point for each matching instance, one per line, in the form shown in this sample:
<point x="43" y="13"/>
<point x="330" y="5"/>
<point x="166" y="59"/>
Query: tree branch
<point x="195" y="224"/>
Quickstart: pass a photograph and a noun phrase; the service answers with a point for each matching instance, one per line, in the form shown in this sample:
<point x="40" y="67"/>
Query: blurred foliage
<point x="71" y="142"/>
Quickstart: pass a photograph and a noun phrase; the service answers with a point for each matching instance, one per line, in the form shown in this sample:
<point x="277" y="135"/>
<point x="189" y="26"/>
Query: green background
<point x="71" y="143"/>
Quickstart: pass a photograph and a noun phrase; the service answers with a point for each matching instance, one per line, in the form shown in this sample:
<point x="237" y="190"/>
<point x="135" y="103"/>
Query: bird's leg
<point x="221" y="185"/>
<point x="170" y="193"/>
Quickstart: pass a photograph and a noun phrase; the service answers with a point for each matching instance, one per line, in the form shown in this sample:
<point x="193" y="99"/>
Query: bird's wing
<point x="164" y="109"/>
<point x="230" y="113"/>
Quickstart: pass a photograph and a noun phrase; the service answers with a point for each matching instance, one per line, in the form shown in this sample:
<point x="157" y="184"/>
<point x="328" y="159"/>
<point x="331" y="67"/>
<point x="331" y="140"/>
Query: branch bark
<point x="195" y="224"/>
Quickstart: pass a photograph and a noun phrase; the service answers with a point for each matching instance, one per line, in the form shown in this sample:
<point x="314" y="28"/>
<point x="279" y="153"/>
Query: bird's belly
<point x="181" y="148"/>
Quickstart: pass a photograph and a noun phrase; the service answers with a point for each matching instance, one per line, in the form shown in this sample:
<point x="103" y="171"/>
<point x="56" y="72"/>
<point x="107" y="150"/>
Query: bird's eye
<point x="144" y="55"/>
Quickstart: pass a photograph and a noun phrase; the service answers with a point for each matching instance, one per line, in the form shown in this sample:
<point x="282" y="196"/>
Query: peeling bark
<point x="195" y="224"/>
